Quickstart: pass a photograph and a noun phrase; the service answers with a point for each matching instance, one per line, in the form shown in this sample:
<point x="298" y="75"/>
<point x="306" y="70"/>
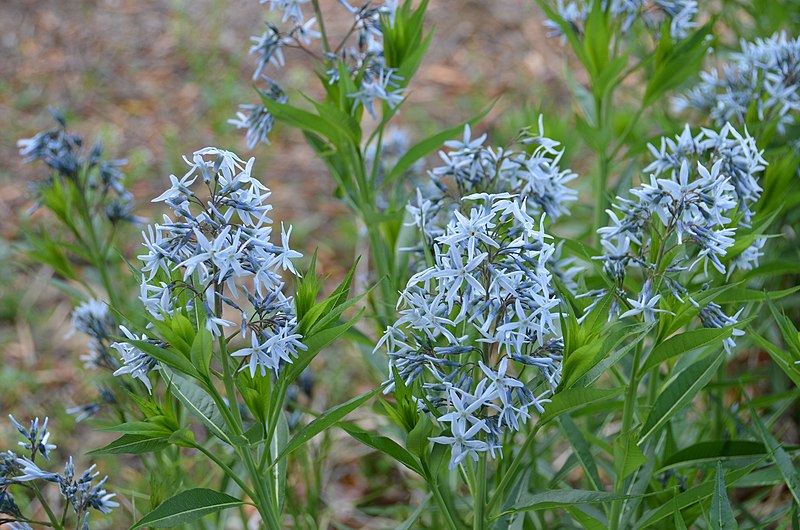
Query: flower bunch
<point x="363" y="60"/>
<point x="765" y="76"/>
<point x="535" y="178"/>
<point x="473" y="322"/>
<point x="741" y="162"/>
<point x="216" y="253"/>
<point x="64" y="153"/>
<point x="679" y="14"/>
<point x="83" y="494"/>
<point x="685" y="214"/>
<point x="470" y="167"/>
<point x="93" y="319"/>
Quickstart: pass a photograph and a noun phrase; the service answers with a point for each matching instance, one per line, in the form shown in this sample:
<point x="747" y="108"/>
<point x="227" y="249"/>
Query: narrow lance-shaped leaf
<point x="186" y="507"/>
<point x="721" y="517"/>
<point x="385" y="445"/>
<point x="679" y="393"/>
<point x="688" y="341"/>
<point x="323" y="421"/>
<point x="133" y="444"/>
<point x="550" y="499"/>
<point x="428" y="145"/>
<point x="782" y="459"/>
<point x="574" y="398"/>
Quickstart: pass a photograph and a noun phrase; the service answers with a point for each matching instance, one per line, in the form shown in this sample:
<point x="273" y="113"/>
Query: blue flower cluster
<point x="679" y="13"/>
<point x="363" y="61"/>
<point x="535" y="178"/>
<point x="470" y="167"/>
<point x="93" y="319"/>
<point x="478" y="328"/>
<point x="765" y="76"/>
<point x="699" y="189"/>
<point x="64" y="153"/>
<point x="216" y="253"/>
<point x="83" y="494"/>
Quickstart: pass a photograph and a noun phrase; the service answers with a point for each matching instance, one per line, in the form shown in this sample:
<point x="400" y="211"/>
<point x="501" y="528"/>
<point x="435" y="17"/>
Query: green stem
<point x="97" y="252"/>
<point x="382" y="256"/>
<point x="479" y="499"/>
<point x="513" y="469"/>
<point x="321" y="21"/>
<point x="46" y="507"/>
<point x="628" y="413"/>
<point x="444" y="507"/>
<point x="264" y="498"/>
<point x="228" y="471"/>
<point x="601" y="200"/>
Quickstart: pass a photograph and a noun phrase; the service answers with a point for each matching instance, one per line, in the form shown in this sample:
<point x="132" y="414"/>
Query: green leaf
<point x="596" y="38"/>
<point x="688" y="498"/>
<point x="741" y="296"/>
<point x="325" y="420"/>
<point x="574" y="398"/>
<point x="685" y="342"/>
<point x="680" y="392"/>
<point x="550" y="499"/>
<point x="186" y="507"/>
<point x="674" y="64"/>
<point x="142" y="428"/>
<point x="201" y="351"/>
<point x="278" y="442"/>
<point x="628" y="454"/>
<point x="165" y="356"/>
<point x="428" y="145"/>
<point x="581" y="449"/>
<point x="383" y="444"/>
<point x="133" y="444"/>
<point x="713" y="450"/>
<point x="417" y="439"/>
<point x="722" y="517"/>
<point x="304" y="120"/>
<point x="314" y="344"/>
<point x="583" y="365"/>
<point x="784" y="359"/>
<point x="586" y="521"/>
<point x="782" y="459"/>
<point x="198" y="403"/>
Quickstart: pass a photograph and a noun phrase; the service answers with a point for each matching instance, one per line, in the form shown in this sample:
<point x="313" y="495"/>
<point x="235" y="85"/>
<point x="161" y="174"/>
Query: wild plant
<point x="80" y="494"/>
<point x="543" y="368"/>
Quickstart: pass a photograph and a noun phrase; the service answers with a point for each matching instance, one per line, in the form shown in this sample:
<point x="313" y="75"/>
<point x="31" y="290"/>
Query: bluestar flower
<point x="363" y="61"/>
<point x="135" y="362"/>
<point x="82" y="494"/>
<point x="256" y="119"/>
<point x="741" y="162"/>
<point x="63" y="152"/>
<point x="471" y="322"/>
<point x="93" y="318"/>
<point x="765" y="75"/>
<point x="463" y="443"/>
<point x="748" y="259"/>
<point x="471" y="171"/>
<point x="216" y="249"/>
<point x="383" y="86"/>
<point x="683" y="215"/>
<point x="291" y="9"/>
<point x="36" y="438"/>
<point x="28" y="471"/>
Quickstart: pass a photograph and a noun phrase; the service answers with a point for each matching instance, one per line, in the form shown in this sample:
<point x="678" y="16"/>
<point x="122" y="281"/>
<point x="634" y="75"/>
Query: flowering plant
<point x="541" y="356"/>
